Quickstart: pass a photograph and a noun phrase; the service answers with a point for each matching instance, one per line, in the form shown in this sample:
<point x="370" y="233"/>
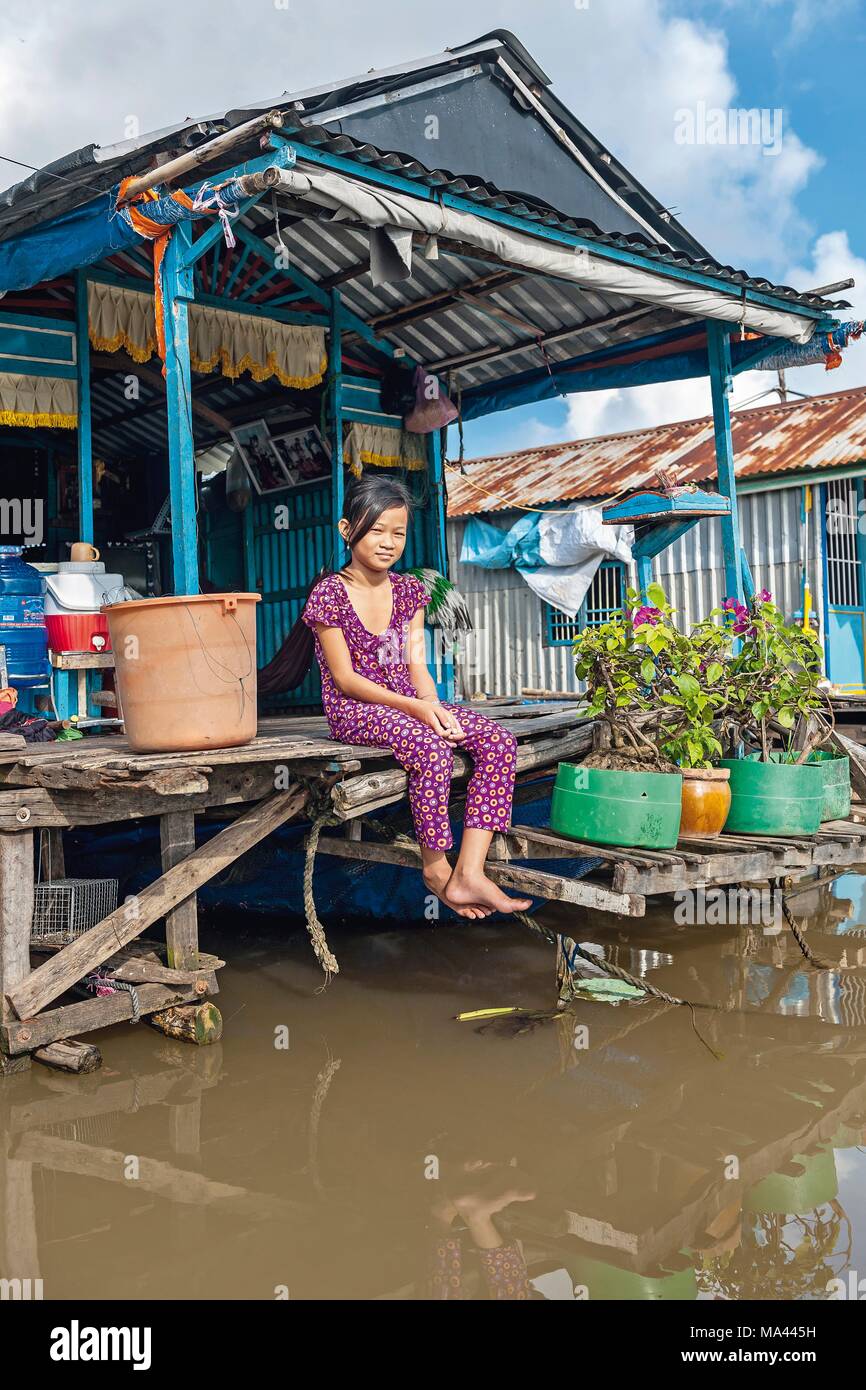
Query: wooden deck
<point x="293" y="770"/>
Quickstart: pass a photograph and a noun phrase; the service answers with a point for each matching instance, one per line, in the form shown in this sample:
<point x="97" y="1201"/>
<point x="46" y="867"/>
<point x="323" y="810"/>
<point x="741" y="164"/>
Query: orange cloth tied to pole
<point x="159" y="233"/>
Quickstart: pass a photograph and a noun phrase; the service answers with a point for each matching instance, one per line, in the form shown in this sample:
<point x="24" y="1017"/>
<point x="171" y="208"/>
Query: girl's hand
<point x="439" y="719"/>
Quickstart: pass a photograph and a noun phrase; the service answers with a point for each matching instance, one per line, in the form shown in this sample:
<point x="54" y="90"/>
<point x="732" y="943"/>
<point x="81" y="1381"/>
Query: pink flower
<point x="646" y="616"/>
<point x="764" y="596"/>
<point x="741" y="615"/>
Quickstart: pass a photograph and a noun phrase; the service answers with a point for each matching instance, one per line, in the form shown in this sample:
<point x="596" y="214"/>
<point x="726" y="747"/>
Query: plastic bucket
<point x="774" y="798"/>
<point x="186" y="670"/>
<point x="617" y="808"/>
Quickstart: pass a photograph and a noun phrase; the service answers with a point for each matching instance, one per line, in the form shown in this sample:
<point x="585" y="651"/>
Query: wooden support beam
<point x="25" y="1035"/>
<point x="177" y="842"/>
<point x="520" y="878"/>
<point x="133" y="917"/>
<point x="16" y="917"/>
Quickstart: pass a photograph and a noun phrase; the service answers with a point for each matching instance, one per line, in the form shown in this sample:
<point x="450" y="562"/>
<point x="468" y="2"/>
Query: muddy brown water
<point x="320" y="1150"/>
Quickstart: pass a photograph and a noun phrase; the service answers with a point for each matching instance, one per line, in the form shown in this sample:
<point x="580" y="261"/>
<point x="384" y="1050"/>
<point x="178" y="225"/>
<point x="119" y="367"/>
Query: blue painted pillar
<point x="177" y="290"/>
<point x="721" y="385"/>
<point x="644" y="572"/>
<point x="438" y="539"/>
<point x="335" y="401"/>
<point x="85" y="437"/>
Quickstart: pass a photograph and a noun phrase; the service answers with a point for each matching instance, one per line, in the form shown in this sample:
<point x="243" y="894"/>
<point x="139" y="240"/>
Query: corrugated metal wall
<point x="507" y="651"/>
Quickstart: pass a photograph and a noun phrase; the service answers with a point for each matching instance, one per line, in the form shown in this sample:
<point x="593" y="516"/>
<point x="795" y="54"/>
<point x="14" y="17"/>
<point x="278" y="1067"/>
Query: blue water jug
<point x="22" y="621"/>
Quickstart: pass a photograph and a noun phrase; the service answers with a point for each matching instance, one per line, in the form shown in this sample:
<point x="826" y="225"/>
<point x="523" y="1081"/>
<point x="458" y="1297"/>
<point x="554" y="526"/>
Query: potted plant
<point x="657" y="692"/>
<point x="773" y="686"/>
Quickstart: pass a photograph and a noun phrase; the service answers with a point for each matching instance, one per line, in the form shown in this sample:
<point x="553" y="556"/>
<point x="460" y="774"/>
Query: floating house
<point x="800" y="468"/>
<point x="238" y="290"/>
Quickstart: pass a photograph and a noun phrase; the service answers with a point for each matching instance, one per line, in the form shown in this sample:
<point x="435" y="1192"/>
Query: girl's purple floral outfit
<point x="427" y="757"/>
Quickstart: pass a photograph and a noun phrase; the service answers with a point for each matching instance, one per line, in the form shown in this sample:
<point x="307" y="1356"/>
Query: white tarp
<point x="353" y="201"/>
<point x="573" y="545"/>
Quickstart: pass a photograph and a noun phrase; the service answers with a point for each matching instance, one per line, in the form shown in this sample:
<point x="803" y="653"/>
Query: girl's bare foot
<point x="437" y="877"/>
<point x="477" y="888"/>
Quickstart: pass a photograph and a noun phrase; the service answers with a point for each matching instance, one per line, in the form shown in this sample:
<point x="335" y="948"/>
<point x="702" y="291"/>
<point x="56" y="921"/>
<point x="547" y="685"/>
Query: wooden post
<point x="16" y="918"/>
<point x="335" y="399"/>
<point x="177" y="290"/>
<point x="721" y="386"/>
<point x="85" y="437"/>
<point x="52" y="858"/>
<point x="177" y="839"/>
<point x="31" y="992"/>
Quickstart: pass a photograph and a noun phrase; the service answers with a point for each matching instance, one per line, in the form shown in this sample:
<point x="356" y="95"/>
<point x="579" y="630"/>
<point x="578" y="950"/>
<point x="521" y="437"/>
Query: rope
<point x="572" y="950"/>
<point x="818" y="961"/>
<point x="100" y="983"/>
<point x="324" y="955"/>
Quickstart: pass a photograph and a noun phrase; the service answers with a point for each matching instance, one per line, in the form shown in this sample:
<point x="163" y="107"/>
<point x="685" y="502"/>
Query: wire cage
<point x="68" y="907"/>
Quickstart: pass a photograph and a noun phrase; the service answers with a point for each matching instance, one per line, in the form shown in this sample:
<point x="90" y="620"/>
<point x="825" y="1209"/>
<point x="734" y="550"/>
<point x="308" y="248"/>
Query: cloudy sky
<point x="72" y="74"/>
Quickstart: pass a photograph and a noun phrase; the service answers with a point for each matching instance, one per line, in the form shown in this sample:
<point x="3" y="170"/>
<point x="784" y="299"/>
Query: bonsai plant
<point x="657" y="692"/>
<point x="774" y="686"/>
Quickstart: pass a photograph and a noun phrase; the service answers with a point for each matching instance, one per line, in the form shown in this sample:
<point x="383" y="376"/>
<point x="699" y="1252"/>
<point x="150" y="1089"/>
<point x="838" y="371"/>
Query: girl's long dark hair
<point x="366" y="499"/>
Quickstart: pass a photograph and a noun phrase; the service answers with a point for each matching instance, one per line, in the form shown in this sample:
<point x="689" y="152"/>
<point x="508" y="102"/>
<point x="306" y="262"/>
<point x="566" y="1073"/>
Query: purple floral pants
<point x="429" y="760"/>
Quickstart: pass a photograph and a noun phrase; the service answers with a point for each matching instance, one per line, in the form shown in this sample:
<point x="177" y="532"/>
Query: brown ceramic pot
<point x="706" y="801"/>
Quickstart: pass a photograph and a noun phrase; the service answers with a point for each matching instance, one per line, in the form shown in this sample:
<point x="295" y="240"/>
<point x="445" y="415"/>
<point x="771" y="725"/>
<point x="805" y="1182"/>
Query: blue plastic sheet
<point x="486" y="545"/>
<point x="79" y="239"/>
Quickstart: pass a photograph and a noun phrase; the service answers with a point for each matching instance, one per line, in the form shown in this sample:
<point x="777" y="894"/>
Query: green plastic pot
<point x="795" y="1194"/>
<point x="836" y="771"/>
<point x="606" y="1282"/>
<point x="632" y="809"/>
<point x="774" y="798"/>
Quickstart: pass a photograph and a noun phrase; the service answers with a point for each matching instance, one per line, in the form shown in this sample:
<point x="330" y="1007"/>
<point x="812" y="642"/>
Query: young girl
<point x="376" y="690"/>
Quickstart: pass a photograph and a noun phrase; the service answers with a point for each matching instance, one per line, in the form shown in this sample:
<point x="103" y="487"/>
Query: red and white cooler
<point x="73" y="598"/>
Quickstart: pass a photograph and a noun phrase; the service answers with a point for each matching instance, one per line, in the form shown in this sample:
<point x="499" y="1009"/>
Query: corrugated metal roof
<point x="827" y="431"/>
<point x="75" y="179"/>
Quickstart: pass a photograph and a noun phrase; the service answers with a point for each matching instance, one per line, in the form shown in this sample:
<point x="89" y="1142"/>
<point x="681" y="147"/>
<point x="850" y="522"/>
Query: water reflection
<point x="616" y="1152"/>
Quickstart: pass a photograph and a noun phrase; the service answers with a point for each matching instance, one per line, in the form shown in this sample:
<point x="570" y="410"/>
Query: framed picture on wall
<point x="261" y="459"/>
<point x="304" y="454"/>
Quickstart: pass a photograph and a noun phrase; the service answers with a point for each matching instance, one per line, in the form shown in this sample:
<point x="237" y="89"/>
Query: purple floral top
<point x="380" y="657"/>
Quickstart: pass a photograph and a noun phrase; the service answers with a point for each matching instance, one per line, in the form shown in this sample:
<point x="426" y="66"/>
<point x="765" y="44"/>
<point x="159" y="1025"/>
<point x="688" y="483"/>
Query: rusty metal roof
<point x="827" y="431"/>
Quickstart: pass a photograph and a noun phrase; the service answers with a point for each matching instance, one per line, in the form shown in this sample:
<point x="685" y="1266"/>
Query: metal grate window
<point x="606" y="594"/>
<point x="844" y="584"/>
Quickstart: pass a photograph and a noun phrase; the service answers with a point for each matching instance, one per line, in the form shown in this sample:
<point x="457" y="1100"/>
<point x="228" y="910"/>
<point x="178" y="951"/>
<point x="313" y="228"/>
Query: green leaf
<point x="786" y="717"/>
<point x="714" y="672"/>
<point x="687" y="685"/>
<point x="656" y="595"/>
<point x="647" y="670"/>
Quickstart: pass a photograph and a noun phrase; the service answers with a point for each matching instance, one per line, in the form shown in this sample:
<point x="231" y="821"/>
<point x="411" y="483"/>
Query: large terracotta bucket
<point x="186" y="670"/>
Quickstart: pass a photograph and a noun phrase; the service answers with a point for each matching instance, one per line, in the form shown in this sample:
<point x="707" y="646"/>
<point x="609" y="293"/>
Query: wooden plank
<point x="24" y="1035"/>
<point x="177" y="843"/>
<point x="16" y="914"/>
<point x="35" y="807"/>
<point x="82" y="661"/>
<point x="531" y="882"/>
<point x="353" y="795"/>
<point x="133" y="917"/>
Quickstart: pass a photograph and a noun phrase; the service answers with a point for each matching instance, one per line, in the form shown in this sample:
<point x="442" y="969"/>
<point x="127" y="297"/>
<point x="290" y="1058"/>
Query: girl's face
<point x="385" y="541"/>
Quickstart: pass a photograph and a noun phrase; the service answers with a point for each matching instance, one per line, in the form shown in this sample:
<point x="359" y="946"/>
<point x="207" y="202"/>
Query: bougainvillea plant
<point x="773" y="678"/>
<point x="659" y="690"/>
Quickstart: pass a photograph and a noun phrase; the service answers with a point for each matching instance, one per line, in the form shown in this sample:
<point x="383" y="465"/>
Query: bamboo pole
<point x="203" y="154"/>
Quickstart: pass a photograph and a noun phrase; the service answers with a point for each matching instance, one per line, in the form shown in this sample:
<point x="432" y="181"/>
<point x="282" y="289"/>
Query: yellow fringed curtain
<point x="233" y="342"/>
<point x="383" y="447"/>
<point x="38" y="402"/>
